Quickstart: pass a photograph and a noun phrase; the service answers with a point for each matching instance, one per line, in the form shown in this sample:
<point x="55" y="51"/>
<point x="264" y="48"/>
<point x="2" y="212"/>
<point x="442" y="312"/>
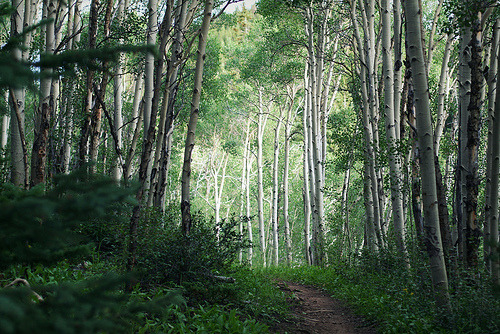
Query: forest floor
<point x="314" y="311"/>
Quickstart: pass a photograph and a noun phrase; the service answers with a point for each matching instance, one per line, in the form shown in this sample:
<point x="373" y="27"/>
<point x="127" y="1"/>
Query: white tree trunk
<point x="426" y="142"/>
<point x="193" y="119"/>
<point x="17" y="171"/>
<point x="275" y="204"/>
<point x="261" y="125"/>
<point x="118" y="98"/>
<point x="390" y="129"/>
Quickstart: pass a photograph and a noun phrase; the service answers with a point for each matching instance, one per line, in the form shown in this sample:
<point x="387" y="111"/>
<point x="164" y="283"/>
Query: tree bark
<point x="425" y="137"/>
<point x="390" y="130"/>
<point x="275" y="203"/>
<point x="193" y="119"/>
<point x="17" y="102"/>
<point x="472" y="231"/>
<point x="492" y="81"/>
<point x="42" y="124"/>
<point x="261" y="124"/>
<point x="494" y="204"/>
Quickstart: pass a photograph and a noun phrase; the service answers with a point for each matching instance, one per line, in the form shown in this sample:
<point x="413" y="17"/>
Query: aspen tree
<point x="193" y="119"/>
<point x="390" y="128"/>
<point x="492" y="84"/>
<point x="495" y="186"/>
<point x="74" y="29"/>
<point x="261" y="125"/>
<point x="275" y="190"/>
<point x="18" y="176"/>
<point x="425" y="139"/>
<point x="118" y="97"/>
<point x="42" y="122"/>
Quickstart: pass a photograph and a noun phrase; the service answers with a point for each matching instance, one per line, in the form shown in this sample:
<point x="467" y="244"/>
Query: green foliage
<point x="464" y="12"/>
<point x="37" y="227"/>
<point x="88" y="306"/>
<point x="210" y="319"/>
<point x="166" y="255"/>
<point x="402" y="301"/>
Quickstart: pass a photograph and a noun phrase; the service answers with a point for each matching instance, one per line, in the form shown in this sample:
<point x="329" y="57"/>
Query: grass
<point x="401" y="301"/>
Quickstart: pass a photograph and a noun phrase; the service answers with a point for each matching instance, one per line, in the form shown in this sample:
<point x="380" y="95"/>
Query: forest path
<point x="314" y="311"/>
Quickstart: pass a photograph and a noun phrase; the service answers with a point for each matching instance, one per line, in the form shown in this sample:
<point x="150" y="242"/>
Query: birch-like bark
<point x="168" y="114"/>
<point x="398" y="65"/>
<point x="368" y="100"/>
<point x="17" y="102"/>
<point x="97" y="110"/>
<point x="425" y="138"/>
<point x="193" y="119"/>
<point x="494" y="204"/>
<point x="275" y="197"/>
<point x="248" y="166"/>
<point x="74" y="28"/>
<point x="243" y="217"/>
<point x="88" y="101"/>
<point x="118" y="98"/>
<point x="464" y="86"/>
<point x="492" y="81"/>
<point x="305" y="174"/>
<point x="390" y="130"/>
<point x="442" y="93"/>
<point x="5" y="131"/>
<point x="46" y="103"/>
<point x="261" y="125"/>
<point x="286" y="168"/>
<point x="472" y="231"/>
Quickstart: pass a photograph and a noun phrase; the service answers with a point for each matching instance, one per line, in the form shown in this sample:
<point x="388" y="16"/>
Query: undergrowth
<point x="399" y="300"/>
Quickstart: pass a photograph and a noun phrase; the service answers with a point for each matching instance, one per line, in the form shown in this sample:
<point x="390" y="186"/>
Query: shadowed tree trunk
<point x="193" y="119"/>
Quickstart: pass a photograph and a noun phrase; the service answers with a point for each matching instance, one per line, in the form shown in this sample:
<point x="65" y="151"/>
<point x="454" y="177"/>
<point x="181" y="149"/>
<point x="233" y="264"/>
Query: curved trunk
<point x="193" y="119"/>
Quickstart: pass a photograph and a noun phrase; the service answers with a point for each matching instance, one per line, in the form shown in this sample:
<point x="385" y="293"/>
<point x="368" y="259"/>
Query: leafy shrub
<point x="38" y="229"/>
<point x="211" y="319"/>
<point x="165" y="255"/>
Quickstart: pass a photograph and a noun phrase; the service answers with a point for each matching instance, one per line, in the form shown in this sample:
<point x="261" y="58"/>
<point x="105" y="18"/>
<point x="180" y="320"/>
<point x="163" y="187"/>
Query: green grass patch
<point x="401" y="301"/>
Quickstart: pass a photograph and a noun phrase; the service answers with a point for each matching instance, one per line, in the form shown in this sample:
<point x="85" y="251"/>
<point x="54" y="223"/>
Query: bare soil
<point x="314" y="311"/>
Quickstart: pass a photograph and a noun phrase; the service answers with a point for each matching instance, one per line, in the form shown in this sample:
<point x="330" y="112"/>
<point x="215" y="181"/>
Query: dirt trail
<point x="315" y="312"/>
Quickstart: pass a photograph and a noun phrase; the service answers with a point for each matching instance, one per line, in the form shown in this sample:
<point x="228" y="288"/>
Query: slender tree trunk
<point x="74" y="26"/>
<point x="286" y="192"/>
<point x="494" y="204"/>
<point x="261" y="124"/>
<point x="17" y="102"/>
<point x="390" y="129"/>
<point x="275" y="203"/>
<point x="425" y="137"/>
<point x="87" y="114"/>
<point x="398" y="64"/>
<point x="248" y="166"/>
<point x="118" y="98"/>
<point x="193" y="119"/>
<point x="149" y="77"/>
<point x="40" y="143"/>
<point x="492" y="86"/>
<point x="305" y="171"/>
<point x="168" y="114"/>
<point x="442" y="93"/>
<point x="472" y="231"/>
<point x="464" y="86"/>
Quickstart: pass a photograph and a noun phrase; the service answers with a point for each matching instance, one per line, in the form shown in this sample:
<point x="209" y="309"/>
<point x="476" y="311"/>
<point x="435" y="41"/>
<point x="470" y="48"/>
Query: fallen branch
<point x="25" y="283"/>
